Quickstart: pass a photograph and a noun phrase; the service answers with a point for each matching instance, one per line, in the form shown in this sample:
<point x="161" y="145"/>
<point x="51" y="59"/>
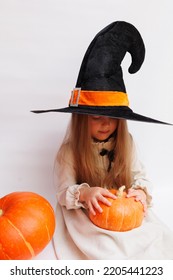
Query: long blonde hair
<point x="79" y="139"/>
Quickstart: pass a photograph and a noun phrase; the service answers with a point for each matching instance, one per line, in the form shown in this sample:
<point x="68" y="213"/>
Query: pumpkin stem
<point x="1" y="212"/>
<point x="120" y="191"/>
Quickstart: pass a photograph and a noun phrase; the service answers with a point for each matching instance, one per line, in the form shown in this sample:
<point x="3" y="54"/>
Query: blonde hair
<point x="79" y="139"/>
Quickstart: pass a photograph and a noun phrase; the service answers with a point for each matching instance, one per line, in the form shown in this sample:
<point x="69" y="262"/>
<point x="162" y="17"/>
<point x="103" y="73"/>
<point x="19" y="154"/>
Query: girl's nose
<point x="106" y="121"/>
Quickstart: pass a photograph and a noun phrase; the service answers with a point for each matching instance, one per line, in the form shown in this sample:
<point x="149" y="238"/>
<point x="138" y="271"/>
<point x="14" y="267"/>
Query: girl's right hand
<point x="92" y="196"/>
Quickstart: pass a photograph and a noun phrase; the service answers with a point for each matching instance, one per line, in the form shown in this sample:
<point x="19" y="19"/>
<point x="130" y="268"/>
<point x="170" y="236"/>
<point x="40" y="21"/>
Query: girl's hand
<point x="139" y="195"/>
<point x="92" y="196"/>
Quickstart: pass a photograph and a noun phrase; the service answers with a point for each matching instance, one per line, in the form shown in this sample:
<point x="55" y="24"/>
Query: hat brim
<point x="119" y="112"/>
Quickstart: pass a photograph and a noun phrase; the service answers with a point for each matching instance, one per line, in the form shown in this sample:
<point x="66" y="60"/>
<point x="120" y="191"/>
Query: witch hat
<point x="100" y="88"/>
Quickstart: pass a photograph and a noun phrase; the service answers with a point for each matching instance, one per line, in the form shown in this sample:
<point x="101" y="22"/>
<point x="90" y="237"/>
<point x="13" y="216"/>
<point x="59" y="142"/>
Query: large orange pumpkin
<point x="27" y="224"/>
<point x="124" y="213"/>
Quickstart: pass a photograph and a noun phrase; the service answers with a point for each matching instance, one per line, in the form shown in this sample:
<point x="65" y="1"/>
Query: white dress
<point x="77" y="238"/>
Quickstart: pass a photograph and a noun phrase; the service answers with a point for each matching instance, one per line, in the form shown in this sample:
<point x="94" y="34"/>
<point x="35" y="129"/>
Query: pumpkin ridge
<point x="48" y="232"/>
<point x="122" y="217"/>
<point x="1" y="212"/>
<point x="28" y="245"/>
<point x="132" y="223"/>
<point x="50" y="207"/>
<point x="107" y="216"/>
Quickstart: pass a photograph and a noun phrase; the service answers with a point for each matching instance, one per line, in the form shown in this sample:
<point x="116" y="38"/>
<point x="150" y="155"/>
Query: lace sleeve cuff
<point x="72" y="196"/>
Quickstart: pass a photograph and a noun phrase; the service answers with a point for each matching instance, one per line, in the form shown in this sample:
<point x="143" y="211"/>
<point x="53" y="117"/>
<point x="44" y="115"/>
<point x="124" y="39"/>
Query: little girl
<point x="98" y="154"/>
<point x="84" y="173"/>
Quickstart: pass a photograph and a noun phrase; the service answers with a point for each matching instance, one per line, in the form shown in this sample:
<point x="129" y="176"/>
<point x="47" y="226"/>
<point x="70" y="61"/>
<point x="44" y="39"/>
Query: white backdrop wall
<point x="42" y="44"/>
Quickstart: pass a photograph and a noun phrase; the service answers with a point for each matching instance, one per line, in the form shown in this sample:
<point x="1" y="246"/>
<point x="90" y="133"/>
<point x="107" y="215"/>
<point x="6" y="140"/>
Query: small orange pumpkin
<point x="124" y="213"/>
<point x="27" y="224"/>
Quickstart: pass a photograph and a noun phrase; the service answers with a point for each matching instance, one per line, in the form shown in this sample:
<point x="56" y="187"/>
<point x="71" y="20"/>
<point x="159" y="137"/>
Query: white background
<point x="42" y="44"/>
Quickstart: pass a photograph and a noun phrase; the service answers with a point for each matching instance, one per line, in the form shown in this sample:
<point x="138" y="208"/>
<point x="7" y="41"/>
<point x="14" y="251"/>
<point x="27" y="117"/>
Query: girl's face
<point x="102" y="127"/>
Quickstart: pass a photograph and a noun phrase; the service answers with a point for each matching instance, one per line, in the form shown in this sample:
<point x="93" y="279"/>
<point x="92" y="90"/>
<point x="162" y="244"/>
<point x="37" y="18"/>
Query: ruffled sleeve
<point x="140" y="180"/>
<point x="68" y="191"/>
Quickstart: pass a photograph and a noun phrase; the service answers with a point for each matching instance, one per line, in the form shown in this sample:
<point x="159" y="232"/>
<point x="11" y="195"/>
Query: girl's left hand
<point x="139" y="195"/>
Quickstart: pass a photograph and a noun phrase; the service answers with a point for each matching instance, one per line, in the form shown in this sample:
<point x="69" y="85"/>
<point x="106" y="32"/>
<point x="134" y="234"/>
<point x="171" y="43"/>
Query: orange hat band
<point x="98" y="98"/>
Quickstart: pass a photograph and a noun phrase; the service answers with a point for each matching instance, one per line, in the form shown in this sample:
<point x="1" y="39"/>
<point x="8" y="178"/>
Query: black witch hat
<point x="100" y="88"/>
